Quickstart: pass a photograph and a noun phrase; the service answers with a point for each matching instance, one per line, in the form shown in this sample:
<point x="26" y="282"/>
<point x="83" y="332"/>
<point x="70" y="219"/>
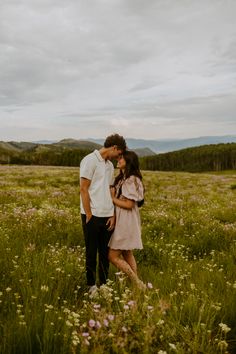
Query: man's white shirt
<point x="101" y="175"/>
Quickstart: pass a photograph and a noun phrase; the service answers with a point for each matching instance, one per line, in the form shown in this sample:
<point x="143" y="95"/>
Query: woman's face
<point x="121" y="163"/>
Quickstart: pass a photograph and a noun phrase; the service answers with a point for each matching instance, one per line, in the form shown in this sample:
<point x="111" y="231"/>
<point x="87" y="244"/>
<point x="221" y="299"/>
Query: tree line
<point x="48" y="157"/>
<point x="215" y="157"/>
<point x="197" y="159"/>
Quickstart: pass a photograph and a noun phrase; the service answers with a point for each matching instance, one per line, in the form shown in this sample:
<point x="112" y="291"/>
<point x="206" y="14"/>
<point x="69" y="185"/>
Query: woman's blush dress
<point x="127" y="232"/>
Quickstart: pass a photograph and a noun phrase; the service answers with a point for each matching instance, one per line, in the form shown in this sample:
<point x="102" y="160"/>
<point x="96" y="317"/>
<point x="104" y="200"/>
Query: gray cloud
<point x="100" y="65"/>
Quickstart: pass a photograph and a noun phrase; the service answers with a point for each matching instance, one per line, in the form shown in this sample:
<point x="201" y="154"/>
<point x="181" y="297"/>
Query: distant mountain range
<point x="14" y="146"/>
<point x="168" y="145"/>
<point x="141" y="146"/>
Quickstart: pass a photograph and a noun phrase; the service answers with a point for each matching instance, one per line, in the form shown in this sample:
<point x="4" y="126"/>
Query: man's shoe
<point x="92" y="291"/>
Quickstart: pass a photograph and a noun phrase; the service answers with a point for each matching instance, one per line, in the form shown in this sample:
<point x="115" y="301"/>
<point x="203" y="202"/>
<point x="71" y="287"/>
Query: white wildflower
<point x="224" y="327"/>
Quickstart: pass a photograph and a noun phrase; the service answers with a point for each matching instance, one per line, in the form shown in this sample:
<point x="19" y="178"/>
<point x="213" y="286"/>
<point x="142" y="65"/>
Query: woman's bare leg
<point x="129" y="258"/>
<point x="121" y="264"/>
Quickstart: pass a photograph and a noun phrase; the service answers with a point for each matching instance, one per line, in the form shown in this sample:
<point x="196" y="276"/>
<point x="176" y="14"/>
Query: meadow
<point x="188" y="263"/>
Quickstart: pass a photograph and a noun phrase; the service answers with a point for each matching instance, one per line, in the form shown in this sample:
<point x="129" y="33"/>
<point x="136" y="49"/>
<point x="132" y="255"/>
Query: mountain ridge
<point x="143" y="147"/>
<point x="168" y="145"/>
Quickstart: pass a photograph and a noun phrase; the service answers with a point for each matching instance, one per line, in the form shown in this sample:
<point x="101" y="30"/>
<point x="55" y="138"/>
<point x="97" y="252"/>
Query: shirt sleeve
<point x="132" y="189"/>
<point x="112" y="179"/>
<point x="87" y="168"/>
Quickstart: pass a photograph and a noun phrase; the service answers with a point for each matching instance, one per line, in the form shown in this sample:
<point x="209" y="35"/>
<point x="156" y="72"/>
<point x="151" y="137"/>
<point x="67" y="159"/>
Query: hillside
<point x="203" y="158"/>
<point x="69" y="152"/>
<point x="141" y="152"/>
<point x="13" y="146"/>
<point x="82" y="144"/>
<point x="7" y="146"/>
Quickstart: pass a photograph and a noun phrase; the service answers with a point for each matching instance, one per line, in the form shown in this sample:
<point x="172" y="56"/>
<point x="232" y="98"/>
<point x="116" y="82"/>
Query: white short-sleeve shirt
<point x="101" y="174"/>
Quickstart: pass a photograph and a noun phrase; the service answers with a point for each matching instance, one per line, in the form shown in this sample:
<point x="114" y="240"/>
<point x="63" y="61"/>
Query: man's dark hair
<point x="115" y="139"/>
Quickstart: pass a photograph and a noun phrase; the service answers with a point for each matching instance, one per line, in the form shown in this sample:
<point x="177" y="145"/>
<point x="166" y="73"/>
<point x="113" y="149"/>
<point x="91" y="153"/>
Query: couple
<point x="109" y="210"/>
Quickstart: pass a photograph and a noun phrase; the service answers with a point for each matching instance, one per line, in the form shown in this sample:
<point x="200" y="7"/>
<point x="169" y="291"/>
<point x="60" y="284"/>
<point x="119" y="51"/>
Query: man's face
<point x="116" y="153"/>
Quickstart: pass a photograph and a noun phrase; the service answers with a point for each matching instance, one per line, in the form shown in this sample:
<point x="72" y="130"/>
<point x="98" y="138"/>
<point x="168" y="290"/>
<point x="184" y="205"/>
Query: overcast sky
<point x="150" y="69"/>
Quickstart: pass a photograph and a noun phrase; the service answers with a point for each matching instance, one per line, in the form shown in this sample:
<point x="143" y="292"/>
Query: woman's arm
<point x="123" y="203"/>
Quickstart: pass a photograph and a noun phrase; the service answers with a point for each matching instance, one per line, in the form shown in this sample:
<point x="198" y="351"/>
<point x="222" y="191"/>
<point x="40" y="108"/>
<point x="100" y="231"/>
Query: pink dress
<point x="127" y="233"/>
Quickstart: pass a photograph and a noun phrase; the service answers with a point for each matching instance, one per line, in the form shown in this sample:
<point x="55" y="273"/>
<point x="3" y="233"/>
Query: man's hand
<point x="111" y="223"/>
<point x="88" y="217"/>
<point x="113" y="192"/>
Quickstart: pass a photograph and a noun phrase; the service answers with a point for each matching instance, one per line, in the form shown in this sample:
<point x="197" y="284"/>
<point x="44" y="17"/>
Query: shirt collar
<point x="99" y="156"/>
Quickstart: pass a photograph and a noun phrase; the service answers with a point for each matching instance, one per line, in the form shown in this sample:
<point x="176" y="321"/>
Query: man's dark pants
<point x="96" y="238"/>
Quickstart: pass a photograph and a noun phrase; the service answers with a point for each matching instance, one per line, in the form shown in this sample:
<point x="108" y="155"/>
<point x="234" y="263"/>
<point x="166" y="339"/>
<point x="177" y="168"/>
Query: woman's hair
<point x="131" y="168"/>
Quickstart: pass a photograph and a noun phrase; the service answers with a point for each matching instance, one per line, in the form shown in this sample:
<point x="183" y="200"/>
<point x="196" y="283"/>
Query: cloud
<point x="101" y="65"/>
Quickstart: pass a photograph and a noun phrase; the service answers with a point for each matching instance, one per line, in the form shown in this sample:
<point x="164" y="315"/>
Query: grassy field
<point x="188" y="262"/>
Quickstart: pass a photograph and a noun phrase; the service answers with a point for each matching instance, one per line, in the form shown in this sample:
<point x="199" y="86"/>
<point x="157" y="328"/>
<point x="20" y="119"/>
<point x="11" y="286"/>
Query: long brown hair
<point x="131" y="168"/>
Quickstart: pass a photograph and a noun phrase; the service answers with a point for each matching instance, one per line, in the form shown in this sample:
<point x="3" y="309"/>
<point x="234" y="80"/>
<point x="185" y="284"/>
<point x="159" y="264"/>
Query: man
<point x="97" y="209"/>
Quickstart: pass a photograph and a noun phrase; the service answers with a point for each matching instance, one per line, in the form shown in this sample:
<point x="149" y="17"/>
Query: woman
<point x="127" y="196"/>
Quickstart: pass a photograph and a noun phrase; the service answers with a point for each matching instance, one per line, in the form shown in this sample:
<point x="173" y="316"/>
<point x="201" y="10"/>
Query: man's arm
<point x="84" y="187"/>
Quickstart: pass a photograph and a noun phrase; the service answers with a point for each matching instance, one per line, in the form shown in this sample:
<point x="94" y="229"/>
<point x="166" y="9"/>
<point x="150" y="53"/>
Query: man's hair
<point x="115" y="139"/>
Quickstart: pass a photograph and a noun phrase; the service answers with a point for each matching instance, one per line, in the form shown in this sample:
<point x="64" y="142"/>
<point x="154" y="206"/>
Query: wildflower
<point x="22" y="323"/>
<point x="98" y="325"/>
<point x="75" y="315"/>
<point x="224" y="327"/>
<point x="131" y="303"/>
<point x="173" y="294"/>
<point x="85" y="334"/>
<point x="124" y="329"/>
<point x="216" y="307"/>
<point x="92" y="323"/>
<point x="31" y="247"/>
<point x="150" y="308"/>
<point x="49" y="307"/>
<point x="44" y="288"/>
<point x="96" y="306"/>
<point x="111" y="317"/>
<point x="69" y="324"/>
<point x="8" y="290"/>
<point x="149" y="285"/>
<point x="172" y="346"/>
<point x="75" y="342"/>
<point x="222" y="345"/>
<point x="105" y="322"/>
<point x="126" y="307"/>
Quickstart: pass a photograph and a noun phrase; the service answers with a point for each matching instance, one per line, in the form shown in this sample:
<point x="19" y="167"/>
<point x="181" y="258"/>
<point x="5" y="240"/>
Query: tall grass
<point x="188" y="262"/>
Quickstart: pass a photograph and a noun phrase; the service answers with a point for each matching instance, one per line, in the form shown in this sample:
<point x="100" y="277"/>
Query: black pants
<point x="96" y="238"/>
